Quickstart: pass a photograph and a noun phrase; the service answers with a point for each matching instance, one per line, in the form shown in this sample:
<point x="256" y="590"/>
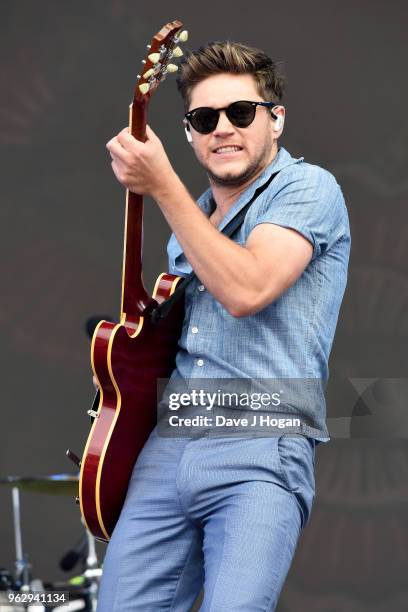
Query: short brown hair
<point x="235" y="58"/>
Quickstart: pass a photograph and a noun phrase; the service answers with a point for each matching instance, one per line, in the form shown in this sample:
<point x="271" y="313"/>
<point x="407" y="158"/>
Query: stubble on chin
<point x="236" y="180"/>
<point x="233" y="180"/>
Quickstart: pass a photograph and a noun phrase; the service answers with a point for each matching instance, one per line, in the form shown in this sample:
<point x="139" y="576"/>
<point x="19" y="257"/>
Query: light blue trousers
<point x="223" y="513"/>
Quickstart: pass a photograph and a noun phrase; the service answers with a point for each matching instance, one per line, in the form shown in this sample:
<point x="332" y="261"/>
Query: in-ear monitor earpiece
<point x="188" y="134"/>
<point x="278" y="123"/>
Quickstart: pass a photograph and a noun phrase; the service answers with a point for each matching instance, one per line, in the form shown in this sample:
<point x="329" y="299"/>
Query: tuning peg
<point x="177" y="52"/>
<point x="183" y="36"/>
<point x="172" y="68"/>
<point x="144" y="88"/>
<point x="148" y="73"/>
<point x="154" y="57"/>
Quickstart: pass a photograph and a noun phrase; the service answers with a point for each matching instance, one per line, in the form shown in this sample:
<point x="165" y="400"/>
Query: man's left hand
<point x="141" y="167"/>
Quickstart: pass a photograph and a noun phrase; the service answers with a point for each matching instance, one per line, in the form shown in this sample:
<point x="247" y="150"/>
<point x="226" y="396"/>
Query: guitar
<point x="129" y="356"/>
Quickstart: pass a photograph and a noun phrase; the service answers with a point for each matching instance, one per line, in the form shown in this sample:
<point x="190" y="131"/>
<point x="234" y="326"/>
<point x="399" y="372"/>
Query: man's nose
<point x="224" y="126"/>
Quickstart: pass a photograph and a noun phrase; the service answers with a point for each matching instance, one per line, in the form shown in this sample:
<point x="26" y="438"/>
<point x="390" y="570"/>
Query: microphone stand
<point x="21" y="564"/>
<point x="92" y="571"/>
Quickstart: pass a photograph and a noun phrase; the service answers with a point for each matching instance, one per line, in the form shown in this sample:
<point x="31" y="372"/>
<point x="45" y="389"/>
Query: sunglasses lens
<point x="241" y="114"/>
<point x="204" y="120"/>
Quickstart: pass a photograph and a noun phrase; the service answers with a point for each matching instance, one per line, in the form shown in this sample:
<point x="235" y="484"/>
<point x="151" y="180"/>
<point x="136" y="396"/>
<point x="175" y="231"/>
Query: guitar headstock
<point x="157" y="63"/>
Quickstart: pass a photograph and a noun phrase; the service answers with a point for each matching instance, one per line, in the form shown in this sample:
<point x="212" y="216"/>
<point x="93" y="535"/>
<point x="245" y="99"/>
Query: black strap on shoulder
<point x="161" y="311"/>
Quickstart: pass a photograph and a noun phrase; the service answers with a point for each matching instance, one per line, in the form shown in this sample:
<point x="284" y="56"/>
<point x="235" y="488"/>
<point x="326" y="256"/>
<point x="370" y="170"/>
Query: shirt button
<point x="200" y="362"/>
<point x="194" y="330"/>
<point x="201" y="287"/>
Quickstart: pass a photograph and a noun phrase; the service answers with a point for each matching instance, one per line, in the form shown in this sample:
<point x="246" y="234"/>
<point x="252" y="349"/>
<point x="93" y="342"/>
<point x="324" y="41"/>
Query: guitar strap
<point x="161" y="311"/>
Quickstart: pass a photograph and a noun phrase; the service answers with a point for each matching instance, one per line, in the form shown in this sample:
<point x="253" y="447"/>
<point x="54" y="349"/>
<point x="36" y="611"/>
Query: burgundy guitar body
<point x="129" y="356"/>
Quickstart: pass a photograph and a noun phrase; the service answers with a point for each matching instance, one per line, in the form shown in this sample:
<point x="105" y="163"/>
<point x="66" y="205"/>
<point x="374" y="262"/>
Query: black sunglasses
<point x="241" y="114"/>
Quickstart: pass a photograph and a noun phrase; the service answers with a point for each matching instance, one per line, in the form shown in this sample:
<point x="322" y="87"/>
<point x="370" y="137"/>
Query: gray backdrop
<point x="67" y="70"/>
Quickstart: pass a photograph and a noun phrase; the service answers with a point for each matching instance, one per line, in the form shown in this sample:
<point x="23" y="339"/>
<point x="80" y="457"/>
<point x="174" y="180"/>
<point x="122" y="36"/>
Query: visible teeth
<point x="227" y="149"/>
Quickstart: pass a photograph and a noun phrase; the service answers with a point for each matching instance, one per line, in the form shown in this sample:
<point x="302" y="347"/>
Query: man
<point x="219" y="511"/>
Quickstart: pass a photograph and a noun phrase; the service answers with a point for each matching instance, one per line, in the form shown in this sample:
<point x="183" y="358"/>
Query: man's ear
<point x="279" y="119"/>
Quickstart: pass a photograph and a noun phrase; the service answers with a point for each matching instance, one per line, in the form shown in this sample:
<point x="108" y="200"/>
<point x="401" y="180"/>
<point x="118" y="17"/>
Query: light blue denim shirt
<point x="291" y="338"/>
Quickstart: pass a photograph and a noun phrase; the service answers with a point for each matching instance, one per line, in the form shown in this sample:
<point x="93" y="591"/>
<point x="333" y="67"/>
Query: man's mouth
<point x="227" y="149"/>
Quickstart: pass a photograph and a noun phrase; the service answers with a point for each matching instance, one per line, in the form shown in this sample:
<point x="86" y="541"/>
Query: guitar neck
<point x="134" y="295"/>
<point x="156" y="65"/>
